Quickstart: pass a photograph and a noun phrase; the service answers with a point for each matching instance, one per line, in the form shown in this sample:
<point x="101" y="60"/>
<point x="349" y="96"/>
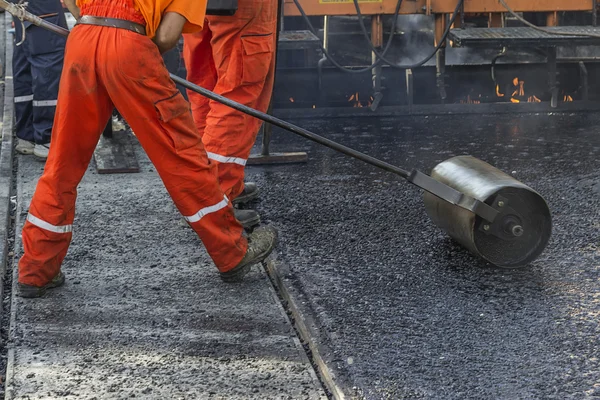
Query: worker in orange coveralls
<point x="233" y="56"/>
<point x="113" y="59"/>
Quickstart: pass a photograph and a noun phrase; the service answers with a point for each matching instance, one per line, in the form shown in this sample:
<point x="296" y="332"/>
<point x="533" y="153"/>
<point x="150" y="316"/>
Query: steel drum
<point x="522" y="228"/>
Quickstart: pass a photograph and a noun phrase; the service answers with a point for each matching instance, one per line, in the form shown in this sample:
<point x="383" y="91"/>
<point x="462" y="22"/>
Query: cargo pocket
<point x="257" y="56"/>
<point x="176" y="120"/>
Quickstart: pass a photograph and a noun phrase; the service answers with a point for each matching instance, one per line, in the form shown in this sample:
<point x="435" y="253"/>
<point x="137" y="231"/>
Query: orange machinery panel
<point x="372" y="7"/>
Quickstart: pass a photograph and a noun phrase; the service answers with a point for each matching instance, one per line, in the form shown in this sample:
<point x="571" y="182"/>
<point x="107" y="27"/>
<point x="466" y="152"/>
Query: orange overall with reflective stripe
<point x="105" y="68"/>
<point x="233" y="56"/>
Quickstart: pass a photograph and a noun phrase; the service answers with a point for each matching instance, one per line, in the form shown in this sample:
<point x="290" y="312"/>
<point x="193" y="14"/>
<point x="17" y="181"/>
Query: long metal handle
<point x="415" y="177"/>
<point x="292" y="128"/>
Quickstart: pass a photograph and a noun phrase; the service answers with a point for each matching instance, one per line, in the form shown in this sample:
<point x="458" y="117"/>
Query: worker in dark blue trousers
<point x="37" y="65"/>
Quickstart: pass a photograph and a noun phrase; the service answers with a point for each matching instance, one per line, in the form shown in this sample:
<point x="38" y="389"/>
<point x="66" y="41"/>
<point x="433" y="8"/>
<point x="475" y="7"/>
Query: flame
<point x="370" y="101"/>
<point x="291" y="99"/>
<point x="314" y="106"/>
<point x="469" y="100"/>
<point x="498" y="91"/>
<point x="354" y="98"/>
<point x="521" y="88"/>
<point x="567" y="98"/>
<point x="519" y="91"/>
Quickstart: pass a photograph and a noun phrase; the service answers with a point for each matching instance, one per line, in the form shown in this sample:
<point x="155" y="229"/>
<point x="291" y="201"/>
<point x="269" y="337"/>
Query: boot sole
<point x="236" y="276"/>
<point x="250" y="223"/>
<point x="241" y="200"/>
<point x="24" y="152"/>
<point x="30" y="292"/>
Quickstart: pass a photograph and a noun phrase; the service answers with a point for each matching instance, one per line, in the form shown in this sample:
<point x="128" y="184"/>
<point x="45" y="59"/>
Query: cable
<point x="421" y="63"/>
<point x="537" y="28"/>
<point x="332" y="60"/>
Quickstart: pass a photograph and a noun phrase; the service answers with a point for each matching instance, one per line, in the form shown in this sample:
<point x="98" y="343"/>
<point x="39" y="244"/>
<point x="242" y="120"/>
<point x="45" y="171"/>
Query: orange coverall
<point x="233" y="56"/>
<point x="108" y="67"/>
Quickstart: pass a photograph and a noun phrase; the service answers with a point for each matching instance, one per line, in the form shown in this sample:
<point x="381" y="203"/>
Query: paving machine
<point x="489" y="212"/>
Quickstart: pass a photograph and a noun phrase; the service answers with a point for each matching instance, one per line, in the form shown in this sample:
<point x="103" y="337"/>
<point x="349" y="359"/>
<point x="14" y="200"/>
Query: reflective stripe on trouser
<point x="234" y="56"/>
<point x="23" y="91"/>
<point x="128" y="74"/>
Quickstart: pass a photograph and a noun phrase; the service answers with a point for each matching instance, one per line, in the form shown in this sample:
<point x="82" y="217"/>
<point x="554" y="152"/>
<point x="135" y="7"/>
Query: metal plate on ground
<point x="116" y="155"/>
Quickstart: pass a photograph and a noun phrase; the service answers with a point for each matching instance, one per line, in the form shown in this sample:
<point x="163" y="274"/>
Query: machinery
<point x="496" y="26"/>
<point x="489" y="212"/>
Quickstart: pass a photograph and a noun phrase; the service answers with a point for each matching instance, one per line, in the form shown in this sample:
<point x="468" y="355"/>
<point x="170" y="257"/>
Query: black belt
<point x="113" y="23"/>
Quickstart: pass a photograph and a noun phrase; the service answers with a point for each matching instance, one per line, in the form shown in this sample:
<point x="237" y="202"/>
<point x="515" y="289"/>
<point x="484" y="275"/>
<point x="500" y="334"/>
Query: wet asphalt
<point x="402" y="311"/>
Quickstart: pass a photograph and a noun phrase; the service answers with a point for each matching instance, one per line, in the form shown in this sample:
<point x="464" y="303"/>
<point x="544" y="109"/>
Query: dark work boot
<point x="248" y="218"/>
<point x="249" y="193"/>
<point x="261" y="243"/>
<point x="29" y="291"/>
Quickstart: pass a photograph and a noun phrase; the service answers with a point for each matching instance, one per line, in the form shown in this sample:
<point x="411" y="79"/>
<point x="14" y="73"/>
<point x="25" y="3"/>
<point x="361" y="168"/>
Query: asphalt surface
<point x="401" y="311"/>
<point x="394" y="308"/>
<point x="143" y="313"/>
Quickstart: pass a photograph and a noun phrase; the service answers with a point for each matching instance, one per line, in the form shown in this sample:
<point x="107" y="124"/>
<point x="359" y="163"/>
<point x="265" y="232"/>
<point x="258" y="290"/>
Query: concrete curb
<point x="6" y="172"/>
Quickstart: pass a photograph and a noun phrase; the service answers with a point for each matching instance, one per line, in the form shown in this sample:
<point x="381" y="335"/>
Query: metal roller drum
<point x="520" y="231"/>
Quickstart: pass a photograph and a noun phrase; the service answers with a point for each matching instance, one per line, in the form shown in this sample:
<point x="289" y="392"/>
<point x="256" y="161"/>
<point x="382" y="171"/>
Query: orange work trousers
<point x="106" y="68"/>
<point x="233" y="56"/>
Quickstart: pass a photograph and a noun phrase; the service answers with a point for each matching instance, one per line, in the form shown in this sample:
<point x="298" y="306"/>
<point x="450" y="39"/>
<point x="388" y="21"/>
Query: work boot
<point x="40" y="151"/>
<point x="24" y="147"/>
<point x="249" y="193"/>
<point x="248" y="218"/>
<point x="261" y="243"/>
<point x="30" y="291"/>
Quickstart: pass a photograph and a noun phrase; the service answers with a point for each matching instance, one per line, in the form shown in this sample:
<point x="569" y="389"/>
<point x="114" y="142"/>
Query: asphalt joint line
<point x="6" y="316"/>
<point x="301" y="343"/>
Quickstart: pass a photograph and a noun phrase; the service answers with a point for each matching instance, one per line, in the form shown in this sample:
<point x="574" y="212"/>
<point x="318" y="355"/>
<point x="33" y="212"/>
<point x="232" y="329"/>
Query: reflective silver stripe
<point x="52" y="228"/>
<point x="224" y="159"/>
<point x="44" y="103"/>
<point x="207" y="210"/>
<point x="23" y="99"/>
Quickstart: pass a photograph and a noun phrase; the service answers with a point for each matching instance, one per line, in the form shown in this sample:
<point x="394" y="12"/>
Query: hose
<point x="332" y="60"/>
<point x="420" y="63"/>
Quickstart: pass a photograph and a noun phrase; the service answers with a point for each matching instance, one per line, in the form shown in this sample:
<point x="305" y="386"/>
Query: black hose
<point x="381" y="57"/>
<point x="332" y="60"/>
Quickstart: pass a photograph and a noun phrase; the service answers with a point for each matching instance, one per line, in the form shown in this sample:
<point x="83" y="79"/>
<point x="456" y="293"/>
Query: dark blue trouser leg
<point x="46" y="70"/>
<point x="23" y="94"/>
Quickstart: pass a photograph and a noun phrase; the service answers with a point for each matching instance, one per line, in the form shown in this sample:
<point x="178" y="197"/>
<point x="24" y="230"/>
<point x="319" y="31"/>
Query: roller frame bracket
<point x="495" y="228"/>
<point x="452" y="195"/>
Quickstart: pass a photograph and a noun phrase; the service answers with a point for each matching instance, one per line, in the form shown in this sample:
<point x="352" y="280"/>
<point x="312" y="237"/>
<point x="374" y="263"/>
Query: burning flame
<point x="291" y="99"/>
<point x="498" y="91"/>
<point x="355" y="99"/>
<point x="518" y="95"/>
<point x="471" y="101"/>
<point x="567" y="98"/>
